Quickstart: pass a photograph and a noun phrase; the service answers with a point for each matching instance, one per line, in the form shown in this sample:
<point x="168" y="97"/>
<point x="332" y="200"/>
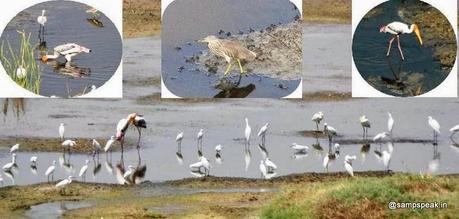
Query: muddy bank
<point x="437" y="32"/>
<point x="327" y="11"/>
<point x="141" y="18"/>
<point x="278" y="48"/>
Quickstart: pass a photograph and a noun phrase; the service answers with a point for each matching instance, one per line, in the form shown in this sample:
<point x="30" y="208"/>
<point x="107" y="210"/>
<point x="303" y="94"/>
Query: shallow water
<point x="54" y="209"/>
<point x="182" y="31"/>
<point x="67" y="22"/>
<point x="369" y="53"/>
<point x="223" y="122"/>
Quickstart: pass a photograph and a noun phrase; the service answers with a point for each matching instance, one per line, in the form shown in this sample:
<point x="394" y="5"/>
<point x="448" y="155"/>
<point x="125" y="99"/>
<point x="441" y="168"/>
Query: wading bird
<point x="62" y="131"/>
<point x="298" y="147"/>
<point x="263" y="170"/>
<point x="179" y="139"/>
<point x="64" y="183"/>
<point x="380" y="136"/>
<point x="218" y="150"/>
<point x="348" y="164"/>
<point x="248" y="132"/>
<point x="96" y="146"/>
<point x="67" y="144"/>
<point x="330" y="132"/>
<point x="390" y="124"/>
<point x="42" y="19"/>
<point x="14" y="148"/>
<point x="317" y="118"/>
<point x="398" y="28"/>
<point x="199" y="141"/>
<point x="270" y="165"/>
<point x="435" y="126"/>
<point x="50" y="171"/>
<point x="230" y="50"/>
<point x="132" y="119"/>
<point x="33" y="162"/>
<point x="386" y="155"/>
<point x="83" y="170"/>
<point x="262" y="133"/>
<point x="109" y="143"/>
<point x="202" y="163"/>
<point x="68" y="50"/>
<point x="10" y="165"/>
<point x="365" y="125"/>
<point x="453" y="130"/>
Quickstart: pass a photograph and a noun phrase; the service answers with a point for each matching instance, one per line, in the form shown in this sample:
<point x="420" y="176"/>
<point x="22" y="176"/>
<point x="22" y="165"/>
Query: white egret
<point x="348" y="164"/>
<point x="262" y="133"/>
<point x="270" y="165"/>
<point x="247" y="159"/>
<point x="248" y="132"/>
<point x="129" y="172"/>
<point x="109" y="143"/>
<point x="62" y="131"/>
<point x="10" y="165"/>
<point x="263" y="169"/>
<point x="317" y="118"/>
<point x="50" y="171"/>
<point x="435" y="126"/>
<point x="96" y="146"/>
<point x="64" y="183"/>
<point x="179" y="139"/>
<point x="42" y="19"/>
<point x="390" y="124"/>
<point x="83" y="170"/>
<point x="199" y="141"/>
<point x="380" y="136"/>
<point x="298" y="147"/>
<point x="14" y="148"/>
<point x="365" y="123"/>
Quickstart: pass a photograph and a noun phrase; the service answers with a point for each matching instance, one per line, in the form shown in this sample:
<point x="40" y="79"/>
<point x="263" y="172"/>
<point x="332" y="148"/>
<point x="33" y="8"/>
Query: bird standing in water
<point x="396" y="29"/>
<point x="230" y="50"/>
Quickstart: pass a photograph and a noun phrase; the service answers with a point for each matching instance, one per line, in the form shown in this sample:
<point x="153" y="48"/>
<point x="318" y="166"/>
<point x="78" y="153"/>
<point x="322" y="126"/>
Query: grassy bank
<point x="298" y="196"/>
<point x="143" y="17"/>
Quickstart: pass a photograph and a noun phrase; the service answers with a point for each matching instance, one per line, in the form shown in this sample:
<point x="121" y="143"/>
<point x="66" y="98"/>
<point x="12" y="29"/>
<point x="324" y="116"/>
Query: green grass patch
<point x="21" y="58"/>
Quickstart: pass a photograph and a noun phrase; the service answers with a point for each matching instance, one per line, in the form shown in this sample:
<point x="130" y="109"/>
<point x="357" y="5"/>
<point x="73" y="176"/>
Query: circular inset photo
<point x="231" y="49"/>
<point x="404" y="47"/>
<point x="60" y="49"/>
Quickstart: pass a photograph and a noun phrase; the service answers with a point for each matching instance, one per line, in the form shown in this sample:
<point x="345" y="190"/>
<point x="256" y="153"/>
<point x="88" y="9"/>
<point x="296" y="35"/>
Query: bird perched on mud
<point x="230" y="50"/>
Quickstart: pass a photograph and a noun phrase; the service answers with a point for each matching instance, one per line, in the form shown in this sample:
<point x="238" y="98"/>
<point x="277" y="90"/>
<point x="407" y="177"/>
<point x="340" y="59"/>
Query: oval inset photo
<point x="60" y="49"/>
<point x="231" y="49"/>
<point x="404" y="48"/>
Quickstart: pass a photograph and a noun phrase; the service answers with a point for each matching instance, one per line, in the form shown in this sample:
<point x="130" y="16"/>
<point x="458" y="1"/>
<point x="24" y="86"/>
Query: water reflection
<point x="434" y="164"/>
<point x="69" y="69"/>
<point x="230" y="89"/>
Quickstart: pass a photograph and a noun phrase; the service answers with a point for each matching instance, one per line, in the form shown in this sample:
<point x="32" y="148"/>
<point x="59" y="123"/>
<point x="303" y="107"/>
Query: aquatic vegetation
<point x="21" y="65"/>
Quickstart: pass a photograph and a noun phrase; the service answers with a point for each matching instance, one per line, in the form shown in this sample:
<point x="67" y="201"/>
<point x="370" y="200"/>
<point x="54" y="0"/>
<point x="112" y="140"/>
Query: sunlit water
<point x="67" y="23"/>
<point x="185" y="22"/>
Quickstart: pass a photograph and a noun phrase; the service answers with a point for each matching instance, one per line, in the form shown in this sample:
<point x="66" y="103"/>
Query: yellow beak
<point x="418" y="34"/>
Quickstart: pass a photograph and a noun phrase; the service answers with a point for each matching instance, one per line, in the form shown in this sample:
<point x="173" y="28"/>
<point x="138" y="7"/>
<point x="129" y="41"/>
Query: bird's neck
<point x="411" y="29"/>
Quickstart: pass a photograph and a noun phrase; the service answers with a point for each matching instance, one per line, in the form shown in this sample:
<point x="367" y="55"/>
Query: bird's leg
<point x="228" y="69"/>
<point x="363" y="135"/>
<point x="399" y="47"/>
<point x="317" y="126"/>
<point x="240" y="66"/>
<point x="140" y="134"/>
<point x="390" y="45"/>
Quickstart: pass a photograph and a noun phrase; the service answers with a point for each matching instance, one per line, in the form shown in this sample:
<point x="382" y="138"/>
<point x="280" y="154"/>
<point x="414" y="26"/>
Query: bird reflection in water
<point x="434" y="164"/>
<point x="230" y="89"/>
<point x="97" y="166"/>
<point x="364" y="151"/>
<point x="95" y="17"/>
<point x="132" y="174"/>
<point x="64" y="161"/>
<point x="69" y="69"/>
<point x="247" y="158"/>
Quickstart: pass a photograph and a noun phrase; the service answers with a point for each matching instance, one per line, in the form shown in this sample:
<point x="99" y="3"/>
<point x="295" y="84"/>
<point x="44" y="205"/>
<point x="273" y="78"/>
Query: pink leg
<point x="399" y="47"/>
<point x="390" y="45"/>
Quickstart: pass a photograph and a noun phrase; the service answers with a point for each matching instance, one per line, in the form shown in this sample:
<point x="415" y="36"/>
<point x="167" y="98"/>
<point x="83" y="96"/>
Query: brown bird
<point x="230" y="50"/>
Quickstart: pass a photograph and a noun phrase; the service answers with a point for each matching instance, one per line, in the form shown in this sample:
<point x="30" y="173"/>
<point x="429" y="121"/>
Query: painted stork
<point x="396" y="28"/>
<point x="67" y="50"/>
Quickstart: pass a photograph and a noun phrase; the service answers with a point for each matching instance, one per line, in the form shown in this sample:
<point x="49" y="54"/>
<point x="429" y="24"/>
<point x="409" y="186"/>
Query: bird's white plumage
<point x="263" y="130"/>
<point x="330" y="130"/>
<point x="348" y="164"/>
<point x="14" y="148"/>
<point x="61" y="131"/>
<point x="317" y="117"/>
<point x="96" y="144"/>
<point x="51" y="169"/>
<point x="380" y="136"/>
<point x="179" y="137"/>
<point x="248" y="130"/>
<point x="390" y="123"/>
<point x="386" y="156"/>
<point x="109" y="143"/>
<point x="263" y="169"/>
<point x="218" y="148"/>
<point x="129" y="172"/>
<point x="33" y="159"/>
<point x="84" y="168"/>
<point x="365" y="122"/>
<point x="10" y="165"/>
<point x="64" y="183"/>
<point x="68" y="143"/>
<point x="434" y="124"/>
<point x="298" y="147"/>
<point x="200" y="134"/>
<point x="454" y="129"/>
<point x="270" y="164"/>
<point x="42" y="19"/>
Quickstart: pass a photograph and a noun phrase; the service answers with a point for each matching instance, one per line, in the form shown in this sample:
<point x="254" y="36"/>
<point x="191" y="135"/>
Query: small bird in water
<point x="317" y="118"/>
<point x="230" y="50"/>
<point x="67" y="50"/>
<point x="365" y="125"/>
<point x="62" y="131"/>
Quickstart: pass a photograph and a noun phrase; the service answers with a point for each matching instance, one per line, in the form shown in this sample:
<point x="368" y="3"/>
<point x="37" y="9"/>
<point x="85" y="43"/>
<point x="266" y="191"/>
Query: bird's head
<point x="417" y="31"/>
<point x="131" y="117"/>
<point x="208" y="39"/>
<point x="44" y="58"/>
<point x="85" y="50"/>
<point x="382" y="29"/>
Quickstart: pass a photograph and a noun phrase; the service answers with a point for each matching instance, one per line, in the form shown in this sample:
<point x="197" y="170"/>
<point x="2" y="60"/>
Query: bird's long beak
<point x="418" y="33"/>
<point x="44" y="58"/>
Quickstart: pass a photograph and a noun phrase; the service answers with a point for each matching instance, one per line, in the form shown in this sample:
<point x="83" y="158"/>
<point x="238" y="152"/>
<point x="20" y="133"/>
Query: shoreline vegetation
<point x="323" y="195"/>
<point x="142" y="18"/>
